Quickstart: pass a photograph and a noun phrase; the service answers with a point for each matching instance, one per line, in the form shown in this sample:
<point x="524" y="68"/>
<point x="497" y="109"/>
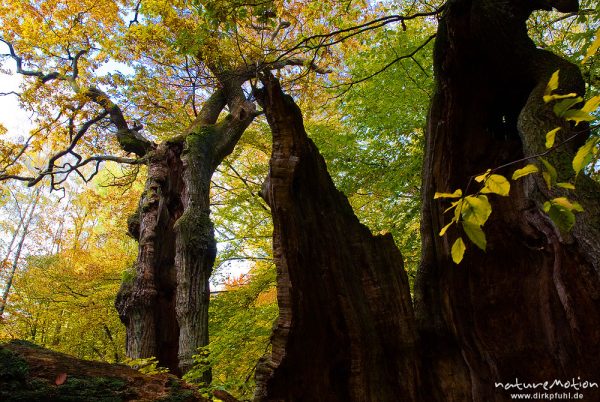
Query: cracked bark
<point x="146" y="305"/>
<point x="165" y="308"/>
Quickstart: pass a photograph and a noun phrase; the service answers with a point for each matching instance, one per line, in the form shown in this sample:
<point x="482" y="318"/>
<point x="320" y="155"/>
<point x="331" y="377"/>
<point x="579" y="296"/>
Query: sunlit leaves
<point x="584" y="154"/>
<point x="496" y="184"/>
<point x="553" y="86"/>
<point x="458" y="250"/>
<point x="562" y="212"/>
<point x="525" y="171"/>
<point x="551" y="137"/>
<point x="455" y="194"/>
<point x="475" y="209"/>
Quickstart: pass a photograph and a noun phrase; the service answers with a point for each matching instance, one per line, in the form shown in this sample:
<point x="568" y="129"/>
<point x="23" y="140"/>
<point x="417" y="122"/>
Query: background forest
<point x="364" y="94"/>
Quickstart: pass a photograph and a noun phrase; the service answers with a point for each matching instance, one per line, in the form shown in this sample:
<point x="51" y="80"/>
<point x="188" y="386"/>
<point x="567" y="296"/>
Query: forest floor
<point x="29" y="373"/>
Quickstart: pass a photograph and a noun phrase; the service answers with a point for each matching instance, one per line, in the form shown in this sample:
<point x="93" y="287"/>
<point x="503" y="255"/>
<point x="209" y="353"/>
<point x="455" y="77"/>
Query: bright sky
<point x="11" y="116"/>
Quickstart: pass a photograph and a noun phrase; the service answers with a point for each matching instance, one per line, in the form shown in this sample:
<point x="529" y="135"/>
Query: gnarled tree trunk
<point x="146" y="305"/>
<point x="346" y="329"/>
<point x="165" y="308"/>
<point x="528" y="307"/>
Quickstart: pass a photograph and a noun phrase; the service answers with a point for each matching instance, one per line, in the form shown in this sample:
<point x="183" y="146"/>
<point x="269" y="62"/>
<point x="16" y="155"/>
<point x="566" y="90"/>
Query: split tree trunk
<point x="346" y="329"/>
<point x="165" y="308"/>
<point x="528" y="307"/>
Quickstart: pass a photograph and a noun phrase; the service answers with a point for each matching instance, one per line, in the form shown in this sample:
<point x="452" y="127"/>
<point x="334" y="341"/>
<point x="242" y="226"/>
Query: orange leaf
<point x="60" y="379"/>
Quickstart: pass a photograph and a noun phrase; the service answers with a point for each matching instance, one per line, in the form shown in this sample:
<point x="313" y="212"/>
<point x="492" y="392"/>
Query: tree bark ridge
<point x="346" y="329"/>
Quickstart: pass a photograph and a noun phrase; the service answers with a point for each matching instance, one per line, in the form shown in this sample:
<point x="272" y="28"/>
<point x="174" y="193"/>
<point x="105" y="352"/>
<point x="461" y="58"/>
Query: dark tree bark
<point x="526" y="308"/>
<point x="346" y="329"/>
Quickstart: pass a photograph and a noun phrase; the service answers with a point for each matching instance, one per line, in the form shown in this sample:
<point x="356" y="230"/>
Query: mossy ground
<point x="29" y="373"/>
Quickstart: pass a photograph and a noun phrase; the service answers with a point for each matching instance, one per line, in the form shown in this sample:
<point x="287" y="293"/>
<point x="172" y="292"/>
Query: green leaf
<point x="475" y="234"/>
<point x="527" y="170"/>
<point x="445" y="228"/>
<point x="577" y="116"/>
<point x="567" y="204"/>
<point x="584" y="155"/>
<point x="550" y="137"/>
<point x="458" y="250"/>
<point x="560" y="108"/>
<point x="562" y="218"/>
<point x="456" y="194"/>
<point x="476" y="209"/>
<point x="567" y="186"/>
<point x="593" y="47"/>
<point x="496" y="184"/>
<point x="482" y="177"/>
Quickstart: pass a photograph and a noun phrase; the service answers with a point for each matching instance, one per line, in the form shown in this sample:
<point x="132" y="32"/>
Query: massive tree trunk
<point x="165" y="308"/>
<point x="346" y="329"/>
<point x="528" y="307"/>
<point x="146" y="304"/>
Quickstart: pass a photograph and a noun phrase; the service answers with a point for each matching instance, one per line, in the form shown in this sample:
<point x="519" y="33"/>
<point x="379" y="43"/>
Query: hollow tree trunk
<point x="528" y="307"/>
<point x="146" y="305"/>
<point x="346" y="329"/>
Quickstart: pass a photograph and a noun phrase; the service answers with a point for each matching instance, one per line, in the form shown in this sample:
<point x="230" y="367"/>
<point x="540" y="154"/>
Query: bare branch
<point x="10" y="93"/>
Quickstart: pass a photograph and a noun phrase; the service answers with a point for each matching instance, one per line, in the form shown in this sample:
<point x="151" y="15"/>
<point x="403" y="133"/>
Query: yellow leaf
<point x="445" y="228"/>
<point x="577" y="116"/>
<point x="584" y="155"/>
<point x="458" y="250"/>
<point x="496" y="184"/>
<point x="550" y="137"/>
<point x="567" y="186"/>
<point x="591" y="104"/>
<point x="550" y="98"/>
<point x="456" y="194"/>
<point x="527" y="170"/>
<point x="552" y="86"/>
<point x="482" y="177"/>
<point x="476" y="210"/>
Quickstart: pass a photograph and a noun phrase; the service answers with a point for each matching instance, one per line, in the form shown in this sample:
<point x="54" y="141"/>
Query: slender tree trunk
<point x="146" y="305"/>
<point x="526" y="308"/>
<point x="207" y="143"/>
<point x="28" y="215"/>
<point x="346" y="330"/>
